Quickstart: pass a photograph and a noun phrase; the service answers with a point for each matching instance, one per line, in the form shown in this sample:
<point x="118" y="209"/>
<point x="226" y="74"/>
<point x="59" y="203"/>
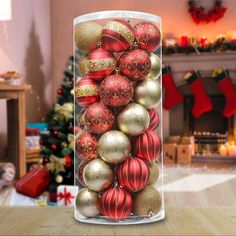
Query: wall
<point x="25" y="46"/>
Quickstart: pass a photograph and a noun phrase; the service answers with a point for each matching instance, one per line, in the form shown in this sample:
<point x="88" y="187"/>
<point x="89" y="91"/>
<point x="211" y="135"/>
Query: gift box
<point x="184" y="154"/>
<point x="170" y="153"/>
<point x="34" y="183"/>
<point x="66" y="195"/>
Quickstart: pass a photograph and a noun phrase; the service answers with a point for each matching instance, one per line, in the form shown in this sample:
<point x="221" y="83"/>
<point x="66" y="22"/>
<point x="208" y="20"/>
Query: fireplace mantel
<point x="204" y="62"/>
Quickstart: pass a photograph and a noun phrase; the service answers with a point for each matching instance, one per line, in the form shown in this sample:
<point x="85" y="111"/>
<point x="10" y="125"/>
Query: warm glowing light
<point x="5" y="9"/>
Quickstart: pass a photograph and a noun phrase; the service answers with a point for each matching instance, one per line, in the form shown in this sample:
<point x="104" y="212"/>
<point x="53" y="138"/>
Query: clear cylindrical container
<point x="118" y="117"/>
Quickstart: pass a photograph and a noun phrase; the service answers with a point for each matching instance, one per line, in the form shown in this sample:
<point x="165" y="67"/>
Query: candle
<point x="223" y="150"/>
<point x="183" y="41"/>
<point x="203" y="42"/>
<point x="170" y="42"/>
<point x="232" y="150"/>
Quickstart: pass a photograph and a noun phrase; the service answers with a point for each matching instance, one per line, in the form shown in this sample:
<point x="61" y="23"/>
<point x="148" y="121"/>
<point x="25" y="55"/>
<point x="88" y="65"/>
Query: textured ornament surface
<point x="155" y="67"/>
<point x="116" y="203"/>
<point x="133" y="174"/>
<point x="148" y="93"/>
<point x="135" y="64"/>
<point x="98" y="118"/>
<point x="114" y="147"/>
<point x="80" y="169"/>
<point x="116" y="90"/>
<point x="98" y="175"/>
<point x="117" y="36"/>
<point x="154" y="119"/>
<point x="80" y="118"/>
<point x="148" y="36"/>
<point x="133" y="119"/>
<point x="154" y="173"/>
<point x="82" y="66"/>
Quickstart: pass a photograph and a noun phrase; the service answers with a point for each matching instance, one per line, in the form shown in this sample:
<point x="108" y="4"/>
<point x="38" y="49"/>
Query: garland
<point x="200" y="15"/>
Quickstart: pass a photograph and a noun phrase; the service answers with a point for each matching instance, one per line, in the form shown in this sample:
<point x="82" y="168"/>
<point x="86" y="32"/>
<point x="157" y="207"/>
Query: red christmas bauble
<point x="116" y="203"/>
<point x="86" y="92"/>
<point x="80" y="170"/>
<point x="133" y="174"/>
<point x="54" y="146"/>
<point x="60" y="91"/>
<point x="148" y="146"/>
<point x="148" y="36"/>
<point x="68" y="161"/>
<point x="100" y="63"/>
<point x="116" y="90"/>
<point x="117" y="36"/>
<point x="98" y="118"/>
<point x="86" y="146"/>
<point x="154" y="119"/>
<point x="80" y="118"/>
<point x="135" y="64"/>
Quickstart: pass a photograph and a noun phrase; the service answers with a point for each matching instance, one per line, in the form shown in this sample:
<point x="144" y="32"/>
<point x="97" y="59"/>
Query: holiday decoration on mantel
<point x="118" y="109"/>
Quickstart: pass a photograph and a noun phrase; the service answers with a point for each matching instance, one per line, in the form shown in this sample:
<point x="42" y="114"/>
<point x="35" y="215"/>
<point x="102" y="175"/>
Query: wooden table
<point x="60" y="221"/>
<point x="15" y="96"/>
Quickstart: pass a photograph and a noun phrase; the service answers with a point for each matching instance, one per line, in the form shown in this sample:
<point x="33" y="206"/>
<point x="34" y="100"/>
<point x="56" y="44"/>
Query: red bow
<point x="65" y="195"/>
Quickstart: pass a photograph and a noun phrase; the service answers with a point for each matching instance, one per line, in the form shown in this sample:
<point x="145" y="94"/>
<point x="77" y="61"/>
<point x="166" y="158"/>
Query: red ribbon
<point x="65" y="195"/>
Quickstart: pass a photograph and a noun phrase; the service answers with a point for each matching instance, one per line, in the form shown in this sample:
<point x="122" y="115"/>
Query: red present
<point x="33" y="183"/>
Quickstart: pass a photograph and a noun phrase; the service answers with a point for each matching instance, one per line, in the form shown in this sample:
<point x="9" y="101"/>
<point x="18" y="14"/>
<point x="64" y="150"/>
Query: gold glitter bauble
<point x="114" y="147"/>
<point x="87" y="36"/>
<point x="83" y="65"/>
<point x="147" y="202"/>
<point x="98" y="175"/>
<point x="133" y="119"/>
<point x="87" y="203"/>
<point x="154" y="173"/>
<point x="155" y="67"/>
<point x="148" y="93"/>
<point x="59" y="179"/>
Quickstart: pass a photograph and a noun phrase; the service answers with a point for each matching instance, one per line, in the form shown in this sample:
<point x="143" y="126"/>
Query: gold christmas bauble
<point x="87" y="36"/>
<point x="114" y="147"/>
<point x="147" y="202"/>
<point x="133" y="119"/>
<point x="154" y="173"/>
<point x="148" y="93"/>
<point x="83" y="66"/>
<point x="98" y="175"/>
<point x="155" y="67"/>
<point x="59" y="179"/>
<point x="87" y="203"/>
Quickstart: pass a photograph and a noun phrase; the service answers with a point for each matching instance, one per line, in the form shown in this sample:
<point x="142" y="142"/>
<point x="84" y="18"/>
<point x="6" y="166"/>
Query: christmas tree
<point x="58" y="143"/>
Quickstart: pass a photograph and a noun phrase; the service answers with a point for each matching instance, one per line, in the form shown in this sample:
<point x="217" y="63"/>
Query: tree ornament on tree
<point x="116" y="90"/>
<point x="98" y="175"/>
<point x="59" y="179"/>
<point x="87" y="202"/>
<point x="98" y="118"/>
<point x="148" y="146"/>
<point x="86" y="92"/>
<point x="87" y="36"/>
<point x="117" y="36"/>
<point x="147" y="202"/>
<point x="68" y="161"/>
<point x="133" y="174"/>
<point x="202" y="102"/>
<point x="116" y="203"/>
<point x="155" y="67"/>
<point x="79" y="172"/>
<point x="154" y="173"/>
<point x="154" y="119"/>
<point x="147" y="35"/>
<point x="114" y="147"/>
<point x="133" y="119"/>
<point x="135" y="64"/>
<point x="60" y="91"/>
<point x="148" y="93"/>
<point x="86" y="146"/>
<point x="100" y="63"/>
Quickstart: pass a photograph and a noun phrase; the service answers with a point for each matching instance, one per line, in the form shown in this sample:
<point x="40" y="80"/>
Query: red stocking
<point x="202" y="102"/>
<point x="225" y="84"/>
<point x="172" y="94"/>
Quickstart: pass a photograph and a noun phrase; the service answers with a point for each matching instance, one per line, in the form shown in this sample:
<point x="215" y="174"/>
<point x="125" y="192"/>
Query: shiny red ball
<point x="135" y="64"/>
<point x="117" y="35"/>
<point x="148" y="146"/>
<point x="133" y="174"/>
<point x="100" y="63"/>
<point x="98" y="118"/>
<point x="154" y="119"/>
<point x="116" y="203"/>
<point x="60" y="91"/>
<point x="116" y="90"/>
<point x="148" y="36"/>
<point x="80" y="170"/>
<point x="86" y="146"/>
<point x="68" y="161"/>
<point x="86" y="92"/>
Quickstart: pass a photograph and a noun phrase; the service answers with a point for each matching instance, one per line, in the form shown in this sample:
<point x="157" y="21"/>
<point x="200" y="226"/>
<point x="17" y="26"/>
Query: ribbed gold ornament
<point x="155" y="67"/>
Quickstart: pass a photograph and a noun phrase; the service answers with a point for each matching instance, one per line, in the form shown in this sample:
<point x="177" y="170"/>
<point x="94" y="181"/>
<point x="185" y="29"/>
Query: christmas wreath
<point x="200" y="15"/>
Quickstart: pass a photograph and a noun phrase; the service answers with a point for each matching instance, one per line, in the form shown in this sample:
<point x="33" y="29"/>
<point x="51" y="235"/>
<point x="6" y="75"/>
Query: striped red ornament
<point x="117" y="36"/>
<point x="86" y="92"/>
<point x="80" y="170"/>
<point x="133" y="174"/>
<point x="154" y="119"/>
<point x="148" y="146"/>
<point x="116" y="203"/>
<point x="100" y="63"/>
